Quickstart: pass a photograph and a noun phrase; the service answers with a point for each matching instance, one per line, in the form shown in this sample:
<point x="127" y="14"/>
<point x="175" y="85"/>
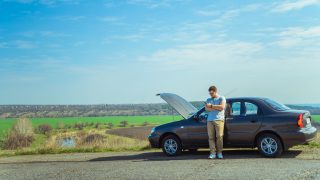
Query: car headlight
<point x="153" y="130"/>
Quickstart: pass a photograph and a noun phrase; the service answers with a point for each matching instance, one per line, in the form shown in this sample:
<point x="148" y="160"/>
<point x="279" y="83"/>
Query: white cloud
<point x="151" y="3"/>
<point x="69" y="18"/>
<point x="206" y="13"/>
<point x="31" y="34"/>
<point x="299" y="37"/>
<point x="203" y="54"/>
<point x="221" y="18"/>
<point x="311" y="32"/>
<point x="44" y="2"/>
<point x="211" y="11"/>
<point x="3" y="45"/>
<point x="52" y="34"/>
<point x="294" y="5"/>
<point x="21" y="44"/>
<point x="79" y="43"/>
<point x="28" y="34"/>
<point x="202" y="31"/>
<point x="110" y="19"/>
<point x="129" y="37"/>
<point x="254" y="69"/>
<point x="113" y="19"/>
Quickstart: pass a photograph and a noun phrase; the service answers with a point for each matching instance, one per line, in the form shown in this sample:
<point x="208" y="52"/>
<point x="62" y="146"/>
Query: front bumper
<point x="154" y="140"/>
<point x="299" y="137"/>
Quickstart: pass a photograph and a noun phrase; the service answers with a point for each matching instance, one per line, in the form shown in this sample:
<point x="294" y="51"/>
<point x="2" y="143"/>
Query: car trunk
<point x="304" y="115"/>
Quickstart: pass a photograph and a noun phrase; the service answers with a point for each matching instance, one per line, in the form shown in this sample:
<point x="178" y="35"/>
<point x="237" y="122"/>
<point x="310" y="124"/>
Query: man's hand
<point x="210" y="107"/>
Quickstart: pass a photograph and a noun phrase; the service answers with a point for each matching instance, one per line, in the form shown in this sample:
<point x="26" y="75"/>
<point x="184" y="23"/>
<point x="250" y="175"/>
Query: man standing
<point x="215" y="122"/>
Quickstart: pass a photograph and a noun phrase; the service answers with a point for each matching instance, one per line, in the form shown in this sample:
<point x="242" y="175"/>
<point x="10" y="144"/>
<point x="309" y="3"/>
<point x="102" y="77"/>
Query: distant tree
<point x="97" y="125"/>
<point x="68" y="126"/>
<point x="79" y="126"/>
<point x="44" y="129"/>
<point x="110" y="125"/>
<point x="123" y="124"/>
<point x="146" y="123"/>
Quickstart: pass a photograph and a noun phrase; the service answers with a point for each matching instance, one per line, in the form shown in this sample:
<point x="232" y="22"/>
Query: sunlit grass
<point x="6" y="124"/>
<point x="316" y="118"/>
<point x="110" y="143"/>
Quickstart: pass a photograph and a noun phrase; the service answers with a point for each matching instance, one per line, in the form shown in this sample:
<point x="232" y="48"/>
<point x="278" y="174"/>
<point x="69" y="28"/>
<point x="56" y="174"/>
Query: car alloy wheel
<point x="170" y="146"/>
<point x="269" y="145"/>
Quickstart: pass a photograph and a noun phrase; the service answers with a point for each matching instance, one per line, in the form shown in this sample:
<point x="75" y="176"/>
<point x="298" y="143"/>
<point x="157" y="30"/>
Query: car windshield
<point x="276" y="106"/>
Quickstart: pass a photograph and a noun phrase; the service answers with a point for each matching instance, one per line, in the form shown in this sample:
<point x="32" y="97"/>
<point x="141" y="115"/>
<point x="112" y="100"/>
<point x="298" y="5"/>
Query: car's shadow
<point x="159" y="156"/>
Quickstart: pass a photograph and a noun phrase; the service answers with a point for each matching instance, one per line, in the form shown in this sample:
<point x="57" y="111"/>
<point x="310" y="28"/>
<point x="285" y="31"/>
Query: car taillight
<point x="300" y="120"/>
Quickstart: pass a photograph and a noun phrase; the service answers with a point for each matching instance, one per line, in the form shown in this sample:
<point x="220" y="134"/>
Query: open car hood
<point x="183" y="107"/>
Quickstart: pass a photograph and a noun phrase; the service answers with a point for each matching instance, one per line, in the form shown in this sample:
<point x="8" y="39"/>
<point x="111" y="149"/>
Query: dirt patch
<point x="93" y="139"/>
<point x="134" y="132"/>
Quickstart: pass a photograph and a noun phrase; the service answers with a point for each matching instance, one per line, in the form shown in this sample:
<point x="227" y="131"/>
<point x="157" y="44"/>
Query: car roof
<point x="246" y="98"/>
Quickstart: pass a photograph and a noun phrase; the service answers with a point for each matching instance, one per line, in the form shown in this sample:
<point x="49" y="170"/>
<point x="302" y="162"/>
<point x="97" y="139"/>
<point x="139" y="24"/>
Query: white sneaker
<point x="212" y="156"/>
<point x="220" y="156"/>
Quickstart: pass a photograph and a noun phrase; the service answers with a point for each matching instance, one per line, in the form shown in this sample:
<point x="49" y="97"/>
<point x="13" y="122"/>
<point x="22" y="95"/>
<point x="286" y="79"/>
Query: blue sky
<point x="126" y="51"/>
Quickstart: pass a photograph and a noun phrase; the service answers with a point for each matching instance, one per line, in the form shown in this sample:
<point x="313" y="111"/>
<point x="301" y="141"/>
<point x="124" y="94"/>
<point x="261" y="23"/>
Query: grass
<point x="110" y="143"/>
<point x="313" y="144"/>
<point x="316" y="118"/>
<point x="115" y="141"/>
<point x="6" y="124"/>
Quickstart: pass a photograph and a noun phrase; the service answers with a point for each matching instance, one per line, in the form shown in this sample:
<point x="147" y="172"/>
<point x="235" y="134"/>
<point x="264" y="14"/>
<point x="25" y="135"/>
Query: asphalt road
<point x="238" y="164"/>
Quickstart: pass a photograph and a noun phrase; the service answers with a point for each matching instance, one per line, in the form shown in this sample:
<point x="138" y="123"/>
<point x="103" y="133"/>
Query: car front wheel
<point x="269" y="145"/>
<point x="171" y="145"/>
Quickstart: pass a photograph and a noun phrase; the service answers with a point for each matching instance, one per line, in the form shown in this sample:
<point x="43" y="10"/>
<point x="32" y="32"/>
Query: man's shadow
<point x="186" y="155"/>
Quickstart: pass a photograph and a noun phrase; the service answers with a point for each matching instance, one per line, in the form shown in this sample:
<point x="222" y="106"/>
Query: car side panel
<point x="285" y="126"/>
<point x="242" y="130"/>
<point x="197" y="134"/>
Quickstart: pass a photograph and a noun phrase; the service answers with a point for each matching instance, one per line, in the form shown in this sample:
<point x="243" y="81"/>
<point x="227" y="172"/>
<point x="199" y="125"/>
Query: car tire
<point x="171" y="145"/>
<point x="269" y="145"/>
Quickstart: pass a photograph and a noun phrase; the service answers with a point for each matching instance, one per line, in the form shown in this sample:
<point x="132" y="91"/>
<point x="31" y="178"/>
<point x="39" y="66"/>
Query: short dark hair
<point x="213" y="88"/>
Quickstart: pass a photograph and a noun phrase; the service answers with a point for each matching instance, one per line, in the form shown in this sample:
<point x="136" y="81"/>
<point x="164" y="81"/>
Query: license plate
<point x="308" y="120"/>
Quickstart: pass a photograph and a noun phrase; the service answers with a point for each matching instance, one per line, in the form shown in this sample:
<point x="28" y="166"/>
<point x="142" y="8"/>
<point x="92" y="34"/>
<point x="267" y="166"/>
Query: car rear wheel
<point x="269" y="145"/>
<point x="171" y="145"/>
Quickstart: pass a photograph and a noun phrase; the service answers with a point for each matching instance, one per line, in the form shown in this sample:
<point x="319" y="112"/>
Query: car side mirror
<point x="203" y="117"/>
<point x="195" y="117"/>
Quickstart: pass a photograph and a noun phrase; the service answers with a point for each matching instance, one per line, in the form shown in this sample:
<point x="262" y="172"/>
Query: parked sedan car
<point x="250" y="122"/>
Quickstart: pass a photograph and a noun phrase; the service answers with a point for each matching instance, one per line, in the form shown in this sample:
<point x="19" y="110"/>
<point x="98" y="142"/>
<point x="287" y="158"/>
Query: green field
<point x="316" y="118"/>
<point x="6" y="124"/>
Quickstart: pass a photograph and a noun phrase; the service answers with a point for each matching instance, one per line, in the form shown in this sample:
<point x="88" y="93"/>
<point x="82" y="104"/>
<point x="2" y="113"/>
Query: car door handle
<point x="253" y="121"/>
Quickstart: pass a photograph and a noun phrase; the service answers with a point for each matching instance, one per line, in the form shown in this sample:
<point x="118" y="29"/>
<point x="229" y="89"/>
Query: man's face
<point x="213" y="94"/>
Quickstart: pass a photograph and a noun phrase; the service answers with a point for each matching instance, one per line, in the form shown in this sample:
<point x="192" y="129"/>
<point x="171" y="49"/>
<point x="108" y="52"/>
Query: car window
<point x="251" y="109"/>
<point x="276" y="106"/>
<point x="236" y="108"/>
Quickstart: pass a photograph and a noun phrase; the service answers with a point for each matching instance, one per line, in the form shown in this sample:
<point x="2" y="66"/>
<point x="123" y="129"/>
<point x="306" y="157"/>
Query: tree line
<point x="52" y="111"/>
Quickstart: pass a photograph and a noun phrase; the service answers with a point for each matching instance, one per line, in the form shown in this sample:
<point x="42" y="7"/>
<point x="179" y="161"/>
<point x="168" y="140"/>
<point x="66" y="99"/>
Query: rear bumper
<point x="154" y="140"/>
<point x="299" y="137"/>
